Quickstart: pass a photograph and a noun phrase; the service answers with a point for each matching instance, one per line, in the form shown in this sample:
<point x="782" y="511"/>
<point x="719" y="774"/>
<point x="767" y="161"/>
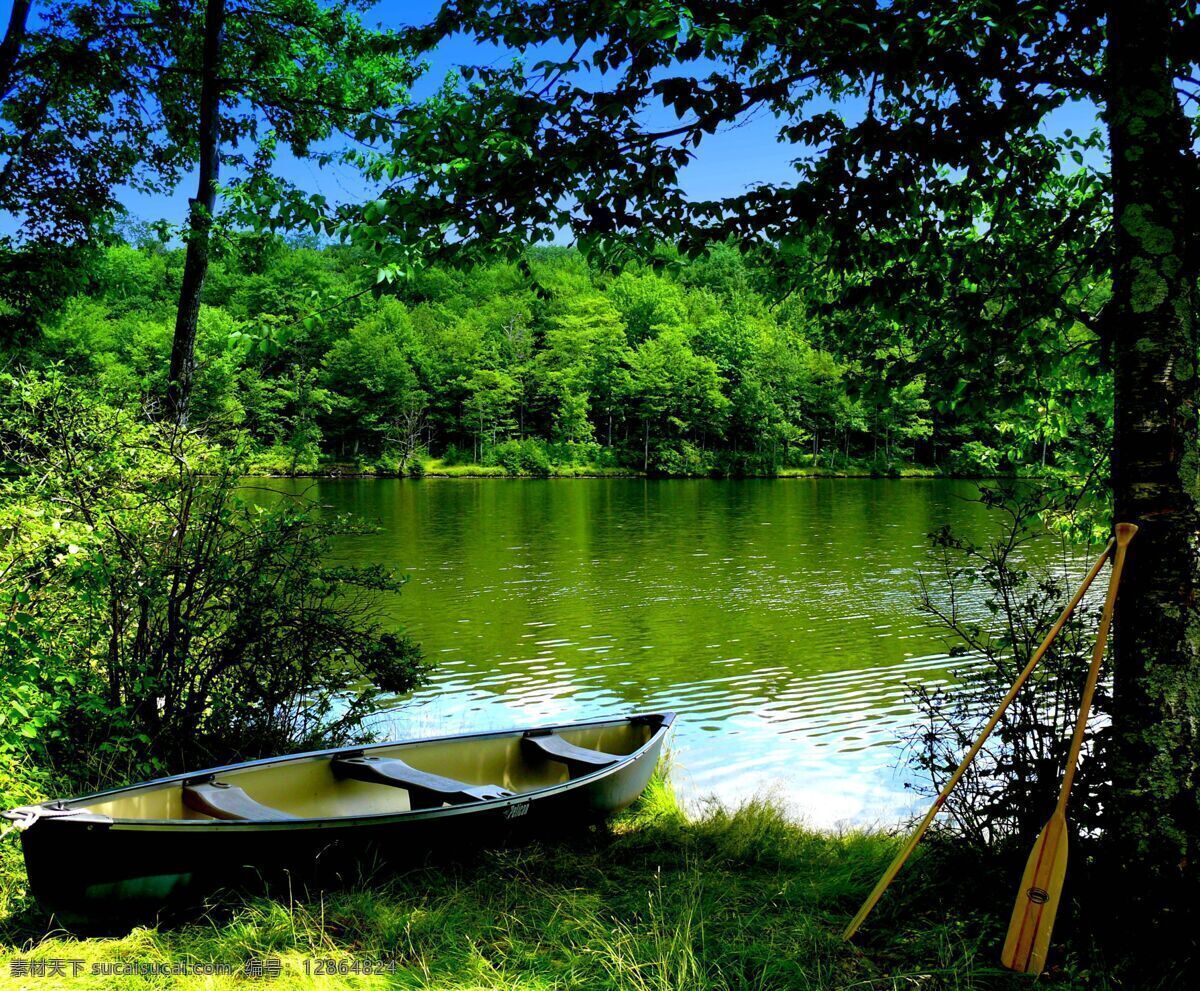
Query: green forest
<point x="548" y="365"/>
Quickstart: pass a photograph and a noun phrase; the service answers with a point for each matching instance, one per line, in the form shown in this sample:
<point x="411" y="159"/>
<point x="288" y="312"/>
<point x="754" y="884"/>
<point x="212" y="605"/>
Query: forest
<point x="546" y="365"/>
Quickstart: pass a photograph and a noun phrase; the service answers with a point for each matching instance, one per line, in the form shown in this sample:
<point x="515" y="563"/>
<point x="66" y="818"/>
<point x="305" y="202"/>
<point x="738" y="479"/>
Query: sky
<point x="727" y="163"/>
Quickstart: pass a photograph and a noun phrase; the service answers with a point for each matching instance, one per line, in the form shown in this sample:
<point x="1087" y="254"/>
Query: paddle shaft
<point x="1089" y="687"/>
<point x="894" y="869"/>
<point x="1037" y="902"/>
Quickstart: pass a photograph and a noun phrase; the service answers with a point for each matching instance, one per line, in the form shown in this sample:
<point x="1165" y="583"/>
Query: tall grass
<point x="726" y="899"/>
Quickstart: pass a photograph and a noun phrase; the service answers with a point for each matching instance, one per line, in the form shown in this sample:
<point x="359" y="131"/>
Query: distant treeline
<point x="693" y="367"/>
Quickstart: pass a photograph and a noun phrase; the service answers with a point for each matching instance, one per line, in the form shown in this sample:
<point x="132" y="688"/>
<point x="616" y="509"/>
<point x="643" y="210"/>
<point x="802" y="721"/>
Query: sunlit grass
<point x="435" y="467"/>
<point x="658" y="902"/>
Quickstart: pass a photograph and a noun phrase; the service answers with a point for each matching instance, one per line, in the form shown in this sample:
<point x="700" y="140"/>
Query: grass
<point x="657" y="902"/>
<point x="437" y="468"/>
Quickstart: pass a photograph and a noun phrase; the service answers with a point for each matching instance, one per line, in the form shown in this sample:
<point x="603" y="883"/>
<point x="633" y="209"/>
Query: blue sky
<point x="726" y="163"/>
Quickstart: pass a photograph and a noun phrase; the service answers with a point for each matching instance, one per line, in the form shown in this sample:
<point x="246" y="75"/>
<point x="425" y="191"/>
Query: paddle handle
<point x="911" y="844"/>
<point x="1125" y="532"/>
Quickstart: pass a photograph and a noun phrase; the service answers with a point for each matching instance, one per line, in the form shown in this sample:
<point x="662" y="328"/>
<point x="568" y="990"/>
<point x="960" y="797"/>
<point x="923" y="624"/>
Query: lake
<point x="777" y="617"/>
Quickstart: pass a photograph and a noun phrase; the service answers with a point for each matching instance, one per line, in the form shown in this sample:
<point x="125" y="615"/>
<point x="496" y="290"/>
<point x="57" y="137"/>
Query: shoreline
<point x="477" y="471"/>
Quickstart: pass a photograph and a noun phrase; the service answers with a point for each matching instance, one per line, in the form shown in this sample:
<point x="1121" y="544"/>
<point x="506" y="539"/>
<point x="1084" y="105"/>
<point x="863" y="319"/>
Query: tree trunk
<point x="1154" y="811"/>
<point x="201" y="207"/>
<point x="10" y="47"/>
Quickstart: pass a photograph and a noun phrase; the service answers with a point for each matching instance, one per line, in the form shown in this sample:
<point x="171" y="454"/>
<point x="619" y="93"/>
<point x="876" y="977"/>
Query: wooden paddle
<point x="894" y="869"/>
<point x="1033" y="915"/>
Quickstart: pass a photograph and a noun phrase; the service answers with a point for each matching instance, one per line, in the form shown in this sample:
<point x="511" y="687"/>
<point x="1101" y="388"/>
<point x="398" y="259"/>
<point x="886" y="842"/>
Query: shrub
<point x="455" y="455"/>
<point x="682" y="458"/>
<point x="284" y="459"/>
<point x="1004" y="799"/>
<point x="175" y="623"/>
<point x="976" y="458"/>
<point x="520" y="457"/>
<point x="576" y="453"/>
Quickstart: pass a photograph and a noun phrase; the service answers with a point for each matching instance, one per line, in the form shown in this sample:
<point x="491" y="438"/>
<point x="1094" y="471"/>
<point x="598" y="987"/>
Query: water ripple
<point x="778" y="618"/>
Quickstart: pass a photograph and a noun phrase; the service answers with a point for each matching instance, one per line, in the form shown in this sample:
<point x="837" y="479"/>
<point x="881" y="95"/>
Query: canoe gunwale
<point x="66" y="811"/>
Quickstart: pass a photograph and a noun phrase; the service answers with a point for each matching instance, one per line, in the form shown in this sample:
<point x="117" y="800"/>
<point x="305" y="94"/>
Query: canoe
<point x="140" y="849"/>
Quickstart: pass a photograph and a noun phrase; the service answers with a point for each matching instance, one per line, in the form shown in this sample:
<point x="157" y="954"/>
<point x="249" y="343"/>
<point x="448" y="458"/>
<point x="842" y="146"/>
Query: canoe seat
<point x="579" y="760"/>
<point x="425" y="790"/>
<point x="225" y="801"/>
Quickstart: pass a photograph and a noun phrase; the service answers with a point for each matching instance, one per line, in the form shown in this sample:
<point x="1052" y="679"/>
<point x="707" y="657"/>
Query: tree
<point x="402" y="433"/>
<point x="582" y="367"/>
<point x="154" y="89"/>
<point x="373" y="368"/>
<point x="491" y="396"/>
<point x="300" y="72"/>
<point x="304" y="401"/>
<point x="929" y="172"/>
<point x="72" y="132"/>
<point x="200" y="213"/>
<point x="676" y="391"/>
<point x="646" y="300"/>
<point x="72" y="125"/>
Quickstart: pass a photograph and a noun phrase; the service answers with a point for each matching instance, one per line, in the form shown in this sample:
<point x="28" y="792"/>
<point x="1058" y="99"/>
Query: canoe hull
<point x="87" y="871"/>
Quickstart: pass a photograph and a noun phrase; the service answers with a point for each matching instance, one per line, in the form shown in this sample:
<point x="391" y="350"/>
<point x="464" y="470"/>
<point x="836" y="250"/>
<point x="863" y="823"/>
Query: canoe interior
<point x="306" y="787"/>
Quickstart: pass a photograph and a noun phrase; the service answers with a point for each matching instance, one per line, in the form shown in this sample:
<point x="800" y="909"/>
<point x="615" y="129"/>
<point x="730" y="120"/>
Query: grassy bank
<point x="437" y="468"/>
<point x="726" y="900"/>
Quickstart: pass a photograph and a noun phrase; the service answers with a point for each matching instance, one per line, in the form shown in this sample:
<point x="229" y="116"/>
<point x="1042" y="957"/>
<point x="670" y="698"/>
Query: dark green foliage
<point x="152" y="620"/>
<point x="522" y="457"/>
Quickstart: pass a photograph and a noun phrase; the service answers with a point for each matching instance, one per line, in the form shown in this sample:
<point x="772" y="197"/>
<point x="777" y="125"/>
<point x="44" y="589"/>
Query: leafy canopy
<point x="935" y="211"/>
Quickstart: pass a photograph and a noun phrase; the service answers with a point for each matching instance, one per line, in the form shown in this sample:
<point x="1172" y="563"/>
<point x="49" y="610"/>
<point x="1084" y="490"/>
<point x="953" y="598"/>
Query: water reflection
<point x="777" y="617"/>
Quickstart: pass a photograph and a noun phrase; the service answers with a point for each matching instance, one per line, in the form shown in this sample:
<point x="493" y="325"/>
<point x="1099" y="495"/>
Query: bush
<point x="683" y="458"/>
<point x="1004" y="799"/>
<point x="520" y="457"/>
<point x="746" y="464"/>
<point x="399" y="463"/>
<point x="455" y="455"/>
<point x="21" y="783"/>
<point x="975" y="458"/>
<point x="285" y="459"/>
<point x="171" y="623"/>
<point x="578" y="454"/>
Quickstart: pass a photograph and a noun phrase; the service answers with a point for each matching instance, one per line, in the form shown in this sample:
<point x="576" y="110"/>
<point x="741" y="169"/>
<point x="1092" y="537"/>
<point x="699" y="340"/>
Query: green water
<point x="777" y="617"/>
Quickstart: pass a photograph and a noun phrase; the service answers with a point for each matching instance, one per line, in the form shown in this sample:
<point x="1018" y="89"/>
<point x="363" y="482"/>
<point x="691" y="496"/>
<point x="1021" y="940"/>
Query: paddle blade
<point x="1033" y="915"/>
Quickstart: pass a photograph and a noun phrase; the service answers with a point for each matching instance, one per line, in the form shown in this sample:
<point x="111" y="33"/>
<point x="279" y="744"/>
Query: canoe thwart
<point x="579" y="760"/>
<point x="425" y="790"/>
<point x="225" y="801"/>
